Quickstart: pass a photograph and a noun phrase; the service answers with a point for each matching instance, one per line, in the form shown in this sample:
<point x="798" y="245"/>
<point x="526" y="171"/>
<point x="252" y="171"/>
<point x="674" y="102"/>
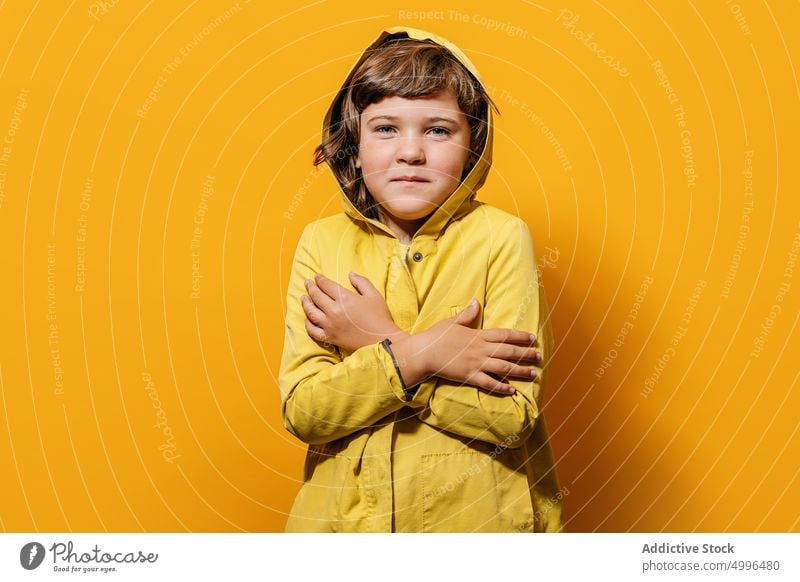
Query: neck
<point x="404" y="229"/>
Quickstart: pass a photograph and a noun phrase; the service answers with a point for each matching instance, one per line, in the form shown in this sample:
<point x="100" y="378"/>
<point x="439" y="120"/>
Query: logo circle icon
<point x="31" y="555"/>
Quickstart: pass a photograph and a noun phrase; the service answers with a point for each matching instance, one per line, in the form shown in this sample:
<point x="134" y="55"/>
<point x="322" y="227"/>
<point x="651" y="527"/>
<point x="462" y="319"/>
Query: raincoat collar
<point x="458" y="203"/>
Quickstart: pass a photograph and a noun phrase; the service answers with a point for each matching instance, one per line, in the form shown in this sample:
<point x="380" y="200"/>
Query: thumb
<point x="466" y="315"/>
<point x="362" y="284"/>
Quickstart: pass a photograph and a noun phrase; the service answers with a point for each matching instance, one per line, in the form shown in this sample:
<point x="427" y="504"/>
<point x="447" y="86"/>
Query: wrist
<point x="393" y="333"/>
<point x="411" y="357"/>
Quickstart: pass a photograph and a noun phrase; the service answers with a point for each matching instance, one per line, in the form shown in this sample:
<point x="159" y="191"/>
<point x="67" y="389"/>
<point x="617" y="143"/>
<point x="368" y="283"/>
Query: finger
<point x="315" y="332"/>
<point x="321" y="299"/>
<point x="515" y="354"/>
<point x="505" y="369"/>
<point x="509" y="336"/>
<point x="468" y="314"/>
<point x="316" y="315"/>
<point x="331" y="288"/>
<point x="363" y="285"/>
<point x="486" y="382"/>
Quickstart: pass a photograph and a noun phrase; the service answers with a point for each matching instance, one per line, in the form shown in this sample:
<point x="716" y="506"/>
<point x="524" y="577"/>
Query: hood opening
<point x="373" y="78"/>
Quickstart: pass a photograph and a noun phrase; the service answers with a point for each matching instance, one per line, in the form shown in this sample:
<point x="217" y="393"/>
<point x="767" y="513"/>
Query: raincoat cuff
<point x="408" y="393"/>
<point x="424" y="392"/>
<point x="416" y="396"/>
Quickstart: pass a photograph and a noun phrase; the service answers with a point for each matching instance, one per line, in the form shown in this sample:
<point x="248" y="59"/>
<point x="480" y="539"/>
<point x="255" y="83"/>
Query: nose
<point x="410" y="150"/>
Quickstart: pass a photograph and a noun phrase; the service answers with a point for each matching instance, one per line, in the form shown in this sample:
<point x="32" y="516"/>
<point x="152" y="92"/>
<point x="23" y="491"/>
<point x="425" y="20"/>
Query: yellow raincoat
<point x="453" y="458"/>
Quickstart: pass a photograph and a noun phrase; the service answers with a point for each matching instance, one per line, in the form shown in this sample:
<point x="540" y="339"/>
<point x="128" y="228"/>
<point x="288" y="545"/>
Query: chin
<point x="409" y="210"/>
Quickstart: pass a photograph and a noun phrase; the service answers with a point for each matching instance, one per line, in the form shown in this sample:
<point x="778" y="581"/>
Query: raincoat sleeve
<point x="514" y="299"/>
<point x="325" y="397"/>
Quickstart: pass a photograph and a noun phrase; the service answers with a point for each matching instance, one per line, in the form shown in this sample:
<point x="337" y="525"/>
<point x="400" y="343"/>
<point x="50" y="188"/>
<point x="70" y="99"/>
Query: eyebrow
<point x="434" y="119"/>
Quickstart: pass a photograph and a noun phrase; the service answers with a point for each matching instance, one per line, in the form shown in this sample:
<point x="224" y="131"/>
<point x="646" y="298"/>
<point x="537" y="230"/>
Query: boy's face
<point x="412" y="153"/>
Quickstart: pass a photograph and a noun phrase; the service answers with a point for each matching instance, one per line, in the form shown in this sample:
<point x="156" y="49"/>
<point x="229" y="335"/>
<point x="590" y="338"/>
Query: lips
<point x="410" y="179"/>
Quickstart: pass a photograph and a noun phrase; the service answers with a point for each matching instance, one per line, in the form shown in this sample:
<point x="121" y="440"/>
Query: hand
<point x="481" y="358"/>
<point x="341" y="317"/>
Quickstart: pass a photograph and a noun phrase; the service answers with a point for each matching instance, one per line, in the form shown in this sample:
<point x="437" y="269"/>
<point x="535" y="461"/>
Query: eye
<point x="439" y="131"/>
<point x="384" y="129"/>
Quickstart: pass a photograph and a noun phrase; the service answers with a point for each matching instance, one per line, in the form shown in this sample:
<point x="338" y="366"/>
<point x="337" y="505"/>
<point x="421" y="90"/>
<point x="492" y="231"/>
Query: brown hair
<point x="401" y="67"/>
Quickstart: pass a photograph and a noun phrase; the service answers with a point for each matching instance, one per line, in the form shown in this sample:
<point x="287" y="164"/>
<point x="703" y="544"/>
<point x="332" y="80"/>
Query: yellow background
<point x="155" y="174"/>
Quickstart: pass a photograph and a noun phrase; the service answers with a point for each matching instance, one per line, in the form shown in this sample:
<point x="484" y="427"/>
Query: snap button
<point x="417" y="256"/>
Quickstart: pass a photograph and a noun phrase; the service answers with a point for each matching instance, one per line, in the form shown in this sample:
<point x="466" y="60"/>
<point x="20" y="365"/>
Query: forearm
<point x="325" y="397"/>
<point x="514" y="299"/>
<point x="326" y="401"/>
<point x="469" y="412"/>
<point x="501" y="419"/>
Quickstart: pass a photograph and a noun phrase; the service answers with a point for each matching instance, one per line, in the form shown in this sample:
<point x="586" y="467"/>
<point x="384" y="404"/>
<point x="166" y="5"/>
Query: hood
<point x="460" y="200"/>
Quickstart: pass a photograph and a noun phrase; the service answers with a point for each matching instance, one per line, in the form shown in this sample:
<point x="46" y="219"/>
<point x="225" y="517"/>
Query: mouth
<point x="410" y="179"/>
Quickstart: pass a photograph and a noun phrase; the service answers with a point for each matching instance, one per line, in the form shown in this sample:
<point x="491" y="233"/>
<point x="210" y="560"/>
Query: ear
<point x="358" y="161"/>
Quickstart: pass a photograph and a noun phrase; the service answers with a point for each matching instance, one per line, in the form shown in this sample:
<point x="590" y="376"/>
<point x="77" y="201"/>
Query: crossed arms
<point x="483" y="384"/>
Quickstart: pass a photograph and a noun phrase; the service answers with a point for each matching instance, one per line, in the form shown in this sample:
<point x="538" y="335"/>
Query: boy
<point x="403" y="394"/>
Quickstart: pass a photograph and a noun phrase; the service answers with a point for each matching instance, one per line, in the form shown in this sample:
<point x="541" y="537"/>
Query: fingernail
<point x="306" y="282"/>
<point x="511" y="390"/>
<point x="533" y="374"/>
<point x="533" y="337"/>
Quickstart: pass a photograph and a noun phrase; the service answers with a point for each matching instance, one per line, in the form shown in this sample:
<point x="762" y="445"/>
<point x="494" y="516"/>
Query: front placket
<point x="401" y="298"/>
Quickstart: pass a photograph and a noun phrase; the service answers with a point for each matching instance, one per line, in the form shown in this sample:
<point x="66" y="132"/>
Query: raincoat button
<point x="417" y="256"/>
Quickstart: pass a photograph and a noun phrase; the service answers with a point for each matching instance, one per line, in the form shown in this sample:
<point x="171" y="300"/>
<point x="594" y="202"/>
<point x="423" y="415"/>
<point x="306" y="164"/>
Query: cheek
<point x="450" y="160"/>
<point x="372" y="154"/>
